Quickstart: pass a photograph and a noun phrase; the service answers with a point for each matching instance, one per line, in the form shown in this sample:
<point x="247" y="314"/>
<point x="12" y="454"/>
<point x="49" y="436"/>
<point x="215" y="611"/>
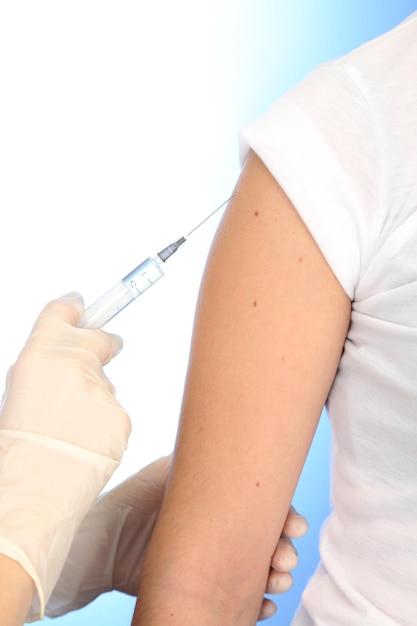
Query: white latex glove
<point x="62" y="435"/>
<point x="109" y="548"/>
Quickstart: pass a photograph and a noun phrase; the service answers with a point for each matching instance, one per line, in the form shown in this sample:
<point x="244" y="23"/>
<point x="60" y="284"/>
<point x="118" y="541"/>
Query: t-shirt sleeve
<point x="320" y="142"/>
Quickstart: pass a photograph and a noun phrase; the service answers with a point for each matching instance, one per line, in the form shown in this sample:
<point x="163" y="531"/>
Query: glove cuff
<point x="46" y="489"/>
<point x="99" y="461"/>
<point x="88" y="570"/>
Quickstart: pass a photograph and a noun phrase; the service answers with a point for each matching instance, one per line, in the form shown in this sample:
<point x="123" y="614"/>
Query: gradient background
<point x="118" y="132"/>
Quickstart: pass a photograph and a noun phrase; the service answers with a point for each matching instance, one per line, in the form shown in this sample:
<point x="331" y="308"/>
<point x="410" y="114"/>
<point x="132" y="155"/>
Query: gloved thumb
<point x="145" y="489"/>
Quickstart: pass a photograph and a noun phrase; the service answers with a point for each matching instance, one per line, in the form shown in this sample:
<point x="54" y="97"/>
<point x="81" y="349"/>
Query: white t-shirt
<point x="343" y="145"/>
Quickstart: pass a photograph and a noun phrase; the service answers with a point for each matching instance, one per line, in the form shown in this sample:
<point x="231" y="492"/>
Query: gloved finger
<point x="67" y="308"/>
<point x="279" y="582"/>
<point x="93" y="374"/>
<point x="268" y="609"/>
<point x="157" y="471"/>
<point x="295" y="526"/>
<point x="144" y="490"/>
<point x="103" y="344"/>
<point x="285" y="557"/>
<point x="56" y="326"/>
<point x="8" y="378"/>
<point x="92" y="344"/>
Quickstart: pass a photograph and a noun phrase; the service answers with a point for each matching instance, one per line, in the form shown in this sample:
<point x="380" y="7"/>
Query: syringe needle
<point x="167" y="252"/>
<point x="133" y="285"/>
<point x="209" y="216"/>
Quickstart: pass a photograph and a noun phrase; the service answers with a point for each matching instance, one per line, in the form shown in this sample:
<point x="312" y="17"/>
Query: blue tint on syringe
<point x="134" y="284"/>
<point x="128" y="289"/>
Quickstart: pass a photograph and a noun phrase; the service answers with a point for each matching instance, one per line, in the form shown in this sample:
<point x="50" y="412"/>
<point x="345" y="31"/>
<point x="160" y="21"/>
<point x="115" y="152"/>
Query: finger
<point x="145" y="489"/>
<point x="285" y="557"/>
<point x="6" y="388"/>
<point x="295" y="526"/>
<point x="9" y="376"/>
<point x="100" y="344"/>
<point x="104" y="383"/>
<point x="104" y="345"/>
<point x="49" y="329"/>
<point x="157" y="471"/>
<point x="279" y="582"/>
<point x="68" y="308"/>
<point x="268" y="609"/>
<point x="80" y="367"/>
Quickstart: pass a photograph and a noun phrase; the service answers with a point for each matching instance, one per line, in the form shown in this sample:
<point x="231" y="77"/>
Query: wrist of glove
<point x="62" y="435"/>
<point x="108" y="551"/>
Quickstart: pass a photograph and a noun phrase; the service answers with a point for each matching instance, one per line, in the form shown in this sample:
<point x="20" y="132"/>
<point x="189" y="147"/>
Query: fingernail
<point x="120" y="346"/>
<point x="302" y="523"/>
<point x="268" y="610"/>
<point x="72" y="295"/>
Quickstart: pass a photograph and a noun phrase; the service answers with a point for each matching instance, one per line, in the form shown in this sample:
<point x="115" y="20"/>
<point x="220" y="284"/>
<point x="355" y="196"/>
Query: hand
<point x="284" y="559"/>
<point x="62" y="434"/>
<point x="109" y="548"/>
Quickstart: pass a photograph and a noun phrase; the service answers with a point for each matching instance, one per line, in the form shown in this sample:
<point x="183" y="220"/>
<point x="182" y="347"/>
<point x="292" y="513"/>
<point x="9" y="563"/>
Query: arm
<point x="17" y="591"/>
<point x="269" y="332"/>
<point x="107" y="552"/>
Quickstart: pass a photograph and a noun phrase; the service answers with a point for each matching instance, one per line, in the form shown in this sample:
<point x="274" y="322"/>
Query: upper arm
<point x="269" y="331"/>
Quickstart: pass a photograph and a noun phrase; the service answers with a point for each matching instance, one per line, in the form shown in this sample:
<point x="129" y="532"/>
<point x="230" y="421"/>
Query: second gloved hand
<point x="108" y="550"/>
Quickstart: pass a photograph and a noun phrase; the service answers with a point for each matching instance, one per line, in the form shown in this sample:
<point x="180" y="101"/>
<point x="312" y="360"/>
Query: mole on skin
<point x="256" y="214"/>
<point x="255" y="304"/>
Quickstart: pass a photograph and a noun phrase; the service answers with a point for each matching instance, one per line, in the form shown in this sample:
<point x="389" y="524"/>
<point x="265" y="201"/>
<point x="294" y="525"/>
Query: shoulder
<point x="387" y="60"/>
<point x="343" y="145"/>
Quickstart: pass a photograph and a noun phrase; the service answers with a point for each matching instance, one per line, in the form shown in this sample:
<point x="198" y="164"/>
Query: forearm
<point x="16" y="592"/>
<point x="224" y="509"/>
<point x="209" y="559"/>
<point x="208" y="570"/>
<point x="210" y="553"/>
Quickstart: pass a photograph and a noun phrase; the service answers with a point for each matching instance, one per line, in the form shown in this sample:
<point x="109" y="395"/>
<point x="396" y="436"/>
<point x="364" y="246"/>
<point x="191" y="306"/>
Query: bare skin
<point x="17" y="589"/>
<point x="269" y="332"/>
<point x="243" y="436"/>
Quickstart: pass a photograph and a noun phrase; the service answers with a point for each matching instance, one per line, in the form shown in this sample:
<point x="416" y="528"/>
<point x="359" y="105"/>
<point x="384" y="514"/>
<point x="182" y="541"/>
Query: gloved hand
<point x="62" y="435"/>
<point x="109" y="548"/>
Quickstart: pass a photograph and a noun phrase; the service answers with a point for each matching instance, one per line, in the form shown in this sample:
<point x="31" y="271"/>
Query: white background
<point x="118" y="132"/>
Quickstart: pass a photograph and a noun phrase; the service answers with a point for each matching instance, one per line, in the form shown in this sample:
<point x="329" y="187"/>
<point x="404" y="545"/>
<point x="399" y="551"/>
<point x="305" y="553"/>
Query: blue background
<point x="259" y="49"/>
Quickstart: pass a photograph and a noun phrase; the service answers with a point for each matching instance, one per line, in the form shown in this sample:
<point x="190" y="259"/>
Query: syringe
<point x="133" y="284"/>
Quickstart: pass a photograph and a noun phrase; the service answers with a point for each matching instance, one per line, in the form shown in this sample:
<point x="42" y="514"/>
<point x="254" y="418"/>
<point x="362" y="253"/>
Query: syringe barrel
<point x="143" y="276"/>
<point x="106" y="307"/>
<point x="122" y="294"/>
